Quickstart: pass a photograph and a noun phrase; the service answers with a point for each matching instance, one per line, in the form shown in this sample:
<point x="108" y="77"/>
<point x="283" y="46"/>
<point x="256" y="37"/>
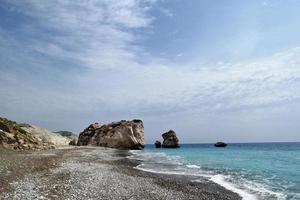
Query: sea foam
<point x="220" y="179"/>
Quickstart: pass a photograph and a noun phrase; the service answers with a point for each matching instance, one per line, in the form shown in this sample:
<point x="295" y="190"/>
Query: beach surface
<point x="94" y="173"/>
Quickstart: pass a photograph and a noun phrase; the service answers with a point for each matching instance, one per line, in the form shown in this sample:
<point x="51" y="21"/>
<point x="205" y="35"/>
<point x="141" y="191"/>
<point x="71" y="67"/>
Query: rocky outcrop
<point x="170" y="140"/>
<point x="86" y="136"/>
<point x="12" y="136"/>
<point x="157" y="144"/>
<point x="220" y="144"/>
<point x="45" y="136"/>
<point x="122" y="135"/>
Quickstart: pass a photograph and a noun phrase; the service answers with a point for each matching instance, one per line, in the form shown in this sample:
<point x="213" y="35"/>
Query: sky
<point x="210" y="70"/>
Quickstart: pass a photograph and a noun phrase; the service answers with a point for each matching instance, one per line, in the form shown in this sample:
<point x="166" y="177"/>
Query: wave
<point x="193" y="166"/>
<point x="220" y="179"/>
<point x="161" y="163"/>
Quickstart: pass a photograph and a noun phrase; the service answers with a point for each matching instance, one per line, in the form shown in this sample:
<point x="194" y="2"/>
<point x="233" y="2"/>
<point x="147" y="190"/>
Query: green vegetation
<point x="12" y="133"/>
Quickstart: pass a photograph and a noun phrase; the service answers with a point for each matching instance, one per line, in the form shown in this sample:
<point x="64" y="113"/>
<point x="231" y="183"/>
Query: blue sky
<point x="211" y="70"/>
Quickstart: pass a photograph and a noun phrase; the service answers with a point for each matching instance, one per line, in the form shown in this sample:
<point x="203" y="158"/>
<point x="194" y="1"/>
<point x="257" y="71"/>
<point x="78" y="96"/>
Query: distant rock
<point x="122" y="135"/>
<point x="220" y="144"/>
<point x="170" y="140"/>
<point x="65" y="133"/>
<point x="157" y="144"/>
<point x="68" y="134"/>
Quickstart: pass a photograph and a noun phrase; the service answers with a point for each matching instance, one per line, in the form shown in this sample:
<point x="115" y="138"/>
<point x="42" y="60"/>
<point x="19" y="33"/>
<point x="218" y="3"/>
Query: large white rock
<point x="121" y="135"/>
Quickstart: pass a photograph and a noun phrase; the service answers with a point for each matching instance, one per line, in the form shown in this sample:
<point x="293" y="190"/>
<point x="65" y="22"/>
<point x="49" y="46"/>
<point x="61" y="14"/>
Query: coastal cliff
<point x="12" y="136"/>
<point x="28" y="137"/>
<point x="121" y="135"/>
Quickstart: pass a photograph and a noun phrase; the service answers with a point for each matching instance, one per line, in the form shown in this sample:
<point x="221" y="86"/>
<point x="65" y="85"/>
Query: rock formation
<point x="220" y="144"/>
<point x="28" y="137"/>
<point x="122" y="135"/>
<point x="157" y="144"/>
<point x="86" y="136"/>
<point x="170" y="140"/>
<point x="12" y="136"/>
<point x="45" y="136"/>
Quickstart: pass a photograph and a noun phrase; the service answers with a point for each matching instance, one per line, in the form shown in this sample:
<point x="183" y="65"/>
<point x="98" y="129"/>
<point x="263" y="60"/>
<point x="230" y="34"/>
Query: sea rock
<point x="121" y="135"/>
<point x="157" y="144"/>
<point x="170" y="140"/>
<point x="220" y="144"/>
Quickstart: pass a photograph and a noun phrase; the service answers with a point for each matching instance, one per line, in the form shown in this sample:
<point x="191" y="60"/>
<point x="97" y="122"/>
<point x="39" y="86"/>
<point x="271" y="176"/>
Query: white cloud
<point x="97" y="34"/>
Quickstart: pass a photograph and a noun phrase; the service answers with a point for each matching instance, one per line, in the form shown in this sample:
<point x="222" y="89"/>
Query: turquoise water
<point x="255" y="171"/>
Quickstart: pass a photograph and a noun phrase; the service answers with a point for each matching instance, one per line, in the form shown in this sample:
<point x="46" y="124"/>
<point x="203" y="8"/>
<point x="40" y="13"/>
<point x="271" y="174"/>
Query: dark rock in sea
<point x="220" y="144"/>
<point x="121" y="135"/>
<point x="157" y="144"/>
<point x="170" y="140"/>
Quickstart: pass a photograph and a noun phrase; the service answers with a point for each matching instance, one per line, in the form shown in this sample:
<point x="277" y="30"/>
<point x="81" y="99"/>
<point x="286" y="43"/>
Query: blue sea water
<point x="254" y="170"/>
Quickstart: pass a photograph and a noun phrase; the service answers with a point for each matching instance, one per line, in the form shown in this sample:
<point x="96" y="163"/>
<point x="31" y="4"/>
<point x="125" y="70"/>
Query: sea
<point x="267" y="171"/>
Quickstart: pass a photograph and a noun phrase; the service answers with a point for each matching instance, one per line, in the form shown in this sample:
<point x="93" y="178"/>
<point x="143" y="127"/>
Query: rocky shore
<point x="93" y="173"/>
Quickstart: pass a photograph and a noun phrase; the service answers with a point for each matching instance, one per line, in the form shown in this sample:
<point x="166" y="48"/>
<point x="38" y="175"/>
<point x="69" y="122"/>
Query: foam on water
<point x="219" y="179"/>
<point x="179" y="169"/>
<point x="254" y="171"/>
<point x="193" y="166"/>
<point x="163" y="164"/>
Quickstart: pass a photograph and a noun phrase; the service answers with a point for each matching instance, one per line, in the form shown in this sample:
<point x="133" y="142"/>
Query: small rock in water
<point x="220" y="144"/>
<point x="157" y="144"/>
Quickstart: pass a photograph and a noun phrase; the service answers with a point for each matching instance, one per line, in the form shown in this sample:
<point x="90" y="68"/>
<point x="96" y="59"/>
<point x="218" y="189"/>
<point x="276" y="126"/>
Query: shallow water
<point x="254" y="170"/>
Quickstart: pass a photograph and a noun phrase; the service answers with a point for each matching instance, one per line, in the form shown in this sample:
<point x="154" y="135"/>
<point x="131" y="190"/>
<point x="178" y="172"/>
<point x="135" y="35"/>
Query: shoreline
<point x="217" y="178"/>
<point x="95" y="173"/>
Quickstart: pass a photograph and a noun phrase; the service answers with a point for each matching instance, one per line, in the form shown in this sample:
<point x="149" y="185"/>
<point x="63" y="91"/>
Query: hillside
<point x="28" y="137"/>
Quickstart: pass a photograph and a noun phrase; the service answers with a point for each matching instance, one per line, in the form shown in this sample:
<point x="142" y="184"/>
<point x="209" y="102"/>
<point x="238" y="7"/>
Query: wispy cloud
<point x="166" y="12"/>
<point x="94" y="34"/>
